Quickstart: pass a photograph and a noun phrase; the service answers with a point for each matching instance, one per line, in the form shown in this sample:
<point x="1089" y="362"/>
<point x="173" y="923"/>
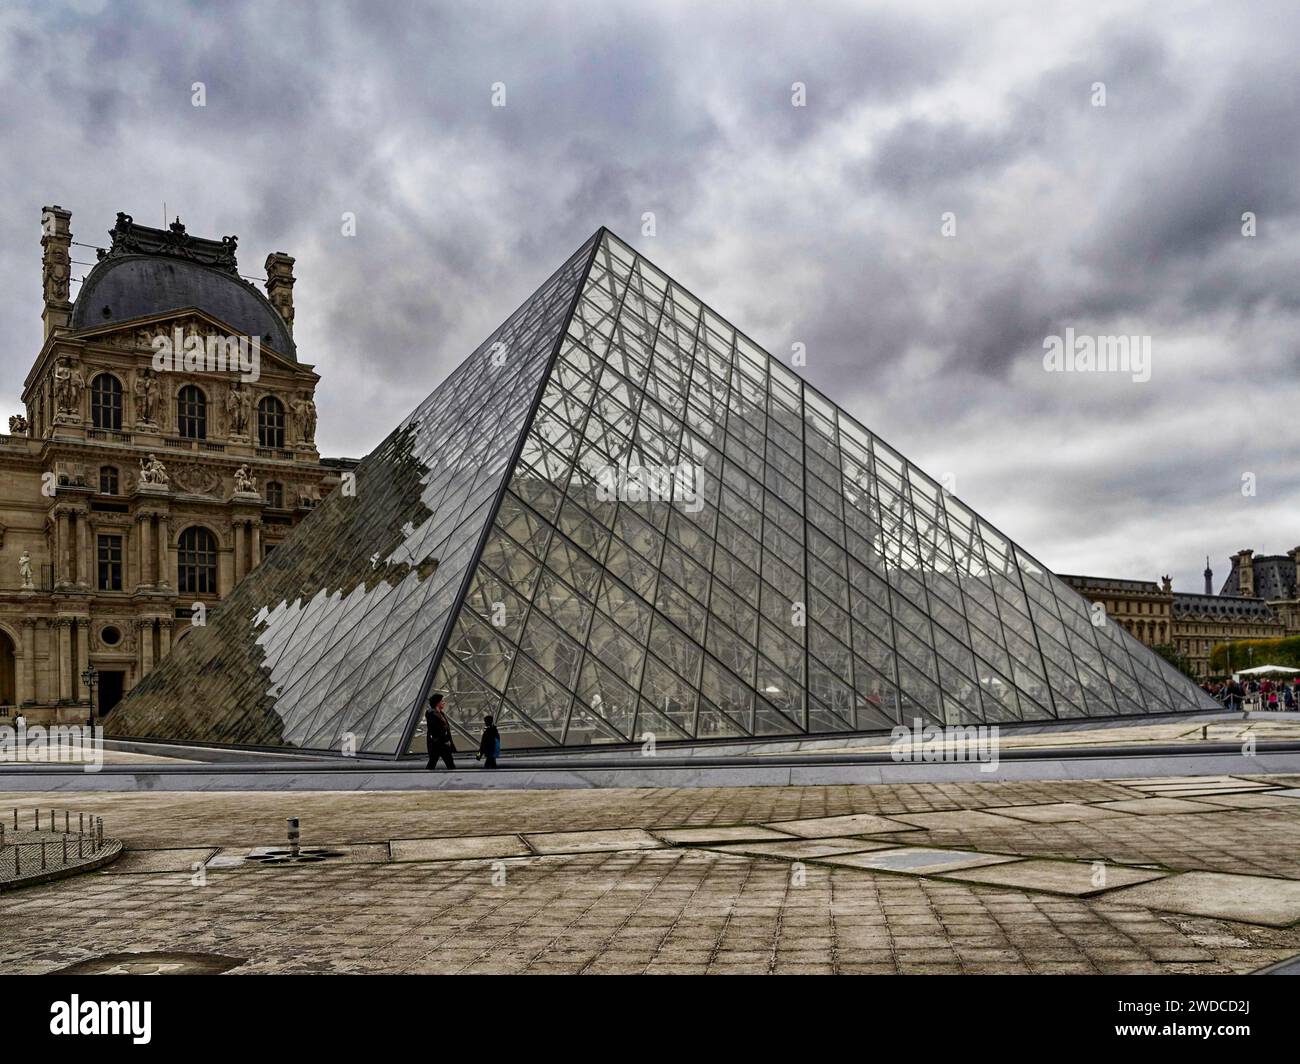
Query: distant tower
<point x="1209" y="577"/>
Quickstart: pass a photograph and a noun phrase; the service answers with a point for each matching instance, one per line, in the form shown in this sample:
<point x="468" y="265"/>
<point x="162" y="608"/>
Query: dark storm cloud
<point x="818" y="225"/>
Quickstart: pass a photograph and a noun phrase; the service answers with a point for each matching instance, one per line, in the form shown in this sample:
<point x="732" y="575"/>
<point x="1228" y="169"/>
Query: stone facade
<point x="1143" y="607"/>
<point x="1202" y="622"/>
<point x="133" y="497"/>
<point x="1192" y="624"/>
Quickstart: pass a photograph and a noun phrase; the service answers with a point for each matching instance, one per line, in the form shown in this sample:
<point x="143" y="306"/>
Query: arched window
<point x="275" y="495"/>
<point x="106" y="402"/>
<point x="270" y="422"/>
<point x="191" y="413"/>
<point x="108" y="480"/>
<point x="196" y="562"/>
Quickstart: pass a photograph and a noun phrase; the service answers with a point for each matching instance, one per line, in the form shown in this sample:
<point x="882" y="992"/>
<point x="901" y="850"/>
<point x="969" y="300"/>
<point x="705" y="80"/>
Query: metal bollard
<point x="15" y="818"/>
<point x="42" y="857"/>
<point x="36" y="820"/>
<point x="81" y="823"/>
<point x="51" y="819"/>
<point x="99" y="832"/>
<point x="18" y="857"/>
<point x="66" y="814"/>
<point x="65" y="849"/>
<point x="295" y="836"/>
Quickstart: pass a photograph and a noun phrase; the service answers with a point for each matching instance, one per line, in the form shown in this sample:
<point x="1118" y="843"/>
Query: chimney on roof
<point x="279" y="285"/>
<point x="1209" y="577"/>
<point x="56" y="268"/>
<point x="1244" y="563"/>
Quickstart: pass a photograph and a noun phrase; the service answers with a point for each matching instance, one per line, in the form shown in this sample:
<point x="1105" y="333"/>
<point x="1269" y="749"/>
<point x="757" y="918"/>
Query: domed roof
<point x="152" y="271"/>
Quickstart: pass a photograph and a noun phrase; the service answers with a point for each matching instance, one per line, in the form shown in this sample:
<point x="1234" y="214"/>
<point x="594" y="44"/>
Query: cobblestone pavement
<point x="666" y="909"/>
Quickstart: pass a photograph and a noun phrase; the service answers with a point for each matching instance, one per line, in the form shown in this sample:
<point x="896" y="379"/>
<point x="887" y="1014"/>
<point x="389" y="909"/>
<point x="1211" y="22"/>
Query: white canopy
<point x="1264" y="668"/>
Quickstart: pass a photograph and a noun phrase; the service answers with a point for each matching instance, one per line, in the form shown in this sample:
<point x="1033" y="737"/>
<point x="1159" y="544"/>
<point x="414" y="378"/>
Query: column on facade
<point x="89" y="549"/>
<point x="164" y="636"/>
<point x="65" y="659"/>
<point x="255" y="549"/>
<point x="239" y="550"/>
<point x="60" y="546"/>
<point x="86" y="575"/>
<point x="83" y="658"/>
<point x="142" y="525"/>
<point x="164" y="551"/>
<point x="27" y="667"/>
<point x="144" y="629"/>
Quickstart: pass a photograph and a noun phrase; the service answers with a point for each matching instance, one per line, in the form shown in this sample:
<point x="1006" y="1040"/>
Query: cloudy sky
<point x="821" y="225"/>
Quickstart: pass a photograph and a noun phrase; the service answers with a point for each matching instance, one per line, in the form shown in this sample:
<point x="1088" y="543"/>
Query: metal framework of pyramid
<point x="620" y="516"/>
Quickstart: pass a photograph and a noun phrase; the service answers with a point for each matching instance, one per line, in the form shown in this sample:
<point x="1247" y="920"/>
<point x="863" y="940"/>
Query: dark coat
<point x="439" y="730"/>
<point x="487" y="746"/>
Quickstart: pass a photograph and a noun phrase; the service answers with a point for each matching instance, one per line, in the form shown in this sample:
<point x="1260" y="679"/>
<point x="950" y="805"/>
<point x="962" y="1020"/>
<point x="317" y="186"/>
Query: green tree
<point x="1171" y="655"/>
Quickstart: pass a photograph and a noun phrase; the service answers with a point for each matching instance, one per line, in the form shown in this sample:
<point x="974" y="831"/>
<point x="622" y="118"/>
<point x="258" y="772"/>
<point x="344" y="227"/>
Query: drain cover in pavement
<point x="306" y="855"/>
<point x="161" y="963"/>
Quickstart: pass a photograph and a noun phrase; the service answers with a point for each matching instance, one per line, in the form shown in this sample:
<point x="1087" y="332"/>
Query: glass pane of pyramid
<point x="643" y="523"/>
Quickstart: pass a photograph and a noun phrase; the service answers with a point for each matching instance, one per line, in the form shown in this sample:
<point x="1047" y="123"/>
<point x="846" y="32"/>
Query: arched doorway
<point x="8" y="670"/>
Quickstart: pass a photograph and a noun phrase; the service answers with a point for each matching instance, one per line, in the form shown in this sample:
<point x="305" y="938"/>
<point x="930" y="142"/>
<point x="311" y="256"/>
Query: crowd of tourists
<point x="1282" y="695"/>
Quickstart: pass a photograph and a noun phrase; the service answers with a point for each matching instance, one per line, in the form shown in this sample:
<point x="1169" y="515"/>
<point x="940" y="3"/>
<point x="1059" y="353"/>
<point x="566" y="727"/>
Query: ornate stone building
<point x="1271" y="577"/>
<point x="1192" y="624"/>
<point x="167" y="446"/>
<point x="1143" y="607"/>
<point x="1202" y="622"/>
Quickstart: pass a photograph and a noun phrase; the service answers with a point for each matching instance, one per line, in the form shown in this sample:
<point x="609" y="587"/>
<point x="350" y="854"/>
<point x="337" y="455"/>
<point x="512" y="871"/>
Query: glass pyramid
<point x="620" y="516"/>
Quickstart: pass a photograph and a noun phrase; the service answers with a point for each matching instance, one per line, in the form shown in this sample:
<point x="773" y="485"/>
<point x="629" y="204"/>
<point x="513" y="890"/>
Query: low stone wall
<point x="62" y="845"/>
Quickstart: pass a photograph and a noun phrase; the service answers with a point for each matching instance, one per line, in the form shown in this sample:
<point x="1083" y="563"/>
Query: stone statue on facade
<point x="17" y="425"/>
<point x="153" y="472"/>
<point x="25" y="570"/>
<point x="68" y="386"/>
<point x="239" y="405"/>
<point x="245" y="482"/>
<point x="304" y="412"/>
<point x="145" y="390"/>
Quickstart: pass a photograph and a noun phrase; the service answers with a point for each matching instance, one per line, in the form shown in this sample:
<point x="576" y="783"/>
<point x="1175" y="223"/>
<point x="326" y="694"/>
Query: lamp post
<point x="90" y="677"/>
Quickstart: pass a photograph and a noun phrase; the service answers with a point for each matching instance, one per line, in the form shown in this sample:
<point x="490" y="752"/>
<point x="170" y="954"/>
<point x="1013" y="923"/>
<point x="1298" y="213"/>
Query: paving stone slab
<point x="459" y="848"/>
<point x="733" y="833"/>
<point x="1157" y="806"/>
<point x="800" y="849"/>
<point x="958" y="820"/>
<point x="1165" y="781"/>
<point x="181" y="860"/>
<point x="1075" y="878"/>
<point x="919" y="860"/>
<point x="1183" y="790"/>
<point x="1057" y="812"/>
<point x="826" y="827"/>
<point x="1221" y="895"/>
<point x="1265" y="800"/>
<point x="592" y="841"/>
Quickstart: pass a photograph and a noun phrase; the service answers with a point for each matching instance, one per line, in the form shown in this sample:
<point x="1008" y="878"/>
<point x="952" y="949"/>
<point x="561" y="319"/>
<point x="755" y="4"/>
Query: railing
<point x="110" y="434"/>
<point x="25" y="853"/>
